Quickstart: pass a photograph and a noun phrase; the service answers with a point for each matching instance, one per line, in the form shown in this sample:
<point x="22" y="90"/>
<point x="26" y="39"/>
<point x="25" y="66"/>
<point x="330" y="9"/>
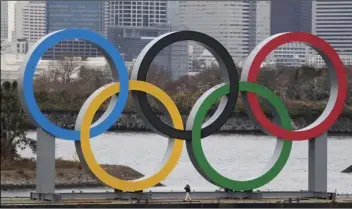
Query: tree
<point x="60" y="82"/>
<point x="158" y="76"/>
<point x="13" y="124"/>
<point x="64" y="69"/>
<point x="92" y="79"/>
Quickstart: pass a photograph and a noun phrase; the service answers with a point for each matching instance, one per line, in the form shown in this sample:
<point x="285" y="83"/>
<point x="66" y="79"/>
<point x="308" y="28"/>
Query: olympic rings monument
<point x="194" y="130"/>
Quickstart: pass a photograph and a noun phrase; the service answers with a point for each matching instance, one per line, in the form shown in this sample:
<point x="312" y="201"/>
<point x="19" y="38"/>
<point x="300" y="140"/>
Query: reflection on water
<point x="234" y="156"/>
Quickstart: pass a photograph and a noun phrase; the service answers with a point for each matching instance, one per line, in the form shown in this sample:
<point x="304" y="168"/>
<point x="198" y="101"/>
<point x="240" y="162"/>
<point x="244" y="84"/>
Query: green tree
<point x="13" y="124"/>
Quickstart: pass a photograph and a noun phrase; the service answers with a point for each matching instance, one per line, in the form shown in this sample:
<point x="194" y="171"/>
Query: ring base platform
<point x="258" y="195"/>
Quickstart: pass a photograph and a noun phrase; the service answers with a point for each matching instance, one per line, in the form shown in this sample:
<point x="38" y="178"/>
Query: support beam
<point x="45" y="166"/>
<point x="318" y="164"/>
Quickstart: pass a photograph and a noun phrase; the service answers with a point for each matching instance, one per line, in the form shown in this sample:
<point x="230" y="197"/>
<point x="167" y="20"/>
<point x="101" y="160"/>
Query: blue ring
<point x="28" y="93"/>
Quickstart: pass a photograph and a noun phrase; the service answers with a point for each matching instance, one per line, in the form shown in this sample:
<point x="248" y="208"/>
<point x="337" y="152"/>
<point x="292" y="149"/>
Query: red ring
<point x="341" y="83"/>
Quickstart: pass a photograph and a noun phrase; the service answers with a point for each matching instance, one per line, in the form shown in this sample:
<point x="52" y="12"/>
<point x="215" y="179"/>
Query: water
<point x="234" y="156"/>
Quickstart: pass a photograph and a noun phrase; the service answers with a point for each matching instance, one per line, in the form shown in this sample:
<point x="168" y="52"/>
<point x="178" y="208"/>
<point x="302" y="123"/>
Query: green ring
<point x="199" y="160"/>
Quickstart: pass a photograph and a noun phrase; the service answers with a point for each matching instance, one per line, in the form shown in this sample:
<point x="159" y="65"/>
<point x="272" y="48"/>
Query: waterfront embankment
<point x="20" y="174"/>
<point x="235" y="124"/>
<point x="339" y="202"/>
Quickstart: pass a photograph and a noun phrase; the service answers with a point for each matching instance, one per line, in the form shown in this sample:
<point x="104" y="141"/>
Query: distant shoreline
<point x="20" y="174"/>
<point x="11" y="187"/>
<point x="234" y="125"/>
<point x="220" y="132"/>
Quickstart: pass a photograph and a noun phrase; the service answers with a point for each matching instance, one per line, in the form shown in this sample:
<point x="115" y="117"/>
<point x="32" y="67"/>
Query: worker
<point x="188" y="191"/>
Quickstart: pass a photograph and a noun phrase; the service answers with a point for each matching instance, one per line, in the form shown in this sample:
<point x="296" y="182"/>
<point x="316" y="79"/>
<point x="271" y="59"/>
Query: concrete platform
<point x="318" y="202"/>
<point x="220" y="203"/>
<point x="181" y="195"/>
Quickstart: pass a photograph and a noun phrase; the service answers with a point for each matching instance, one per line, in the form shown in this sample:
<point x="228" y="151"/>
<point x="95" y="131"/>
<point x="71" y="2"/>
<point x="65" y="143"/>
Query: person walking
<point x="188" y="191"/>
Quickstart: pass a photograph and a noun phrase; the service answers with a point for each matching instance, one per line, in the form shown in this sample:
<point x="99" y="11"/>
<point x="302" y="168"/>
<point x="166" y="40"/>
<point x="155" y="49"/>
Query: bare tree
<point x="64" y="69"/>
<point x="90" y="80"/>
<point x="58" y="82"/>
<point x="159" y="76"/>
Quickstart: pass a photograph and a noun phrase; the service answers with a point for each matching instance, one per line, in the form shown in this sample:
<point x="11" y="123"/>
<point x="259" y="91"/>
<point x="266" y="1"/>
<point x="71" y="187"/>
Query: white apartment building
<point x="262" y="21"/>
<point x="173" y="14"/>
<point x="21" y="46"/>
<point x="318" y="62"/>
<point x="30" y="20"/>
<point x="332" y="21"/>
<point x="18" y="20"/>
<point x="135" y="13"/>
<point x="232" y="23"/>
<point x="4" y="20"/>
<point x="290" y="55"/>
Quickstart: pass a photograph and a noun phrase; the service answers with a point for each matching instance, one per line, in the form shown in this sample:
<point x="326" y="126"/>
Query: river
<point x="235" y="156"/>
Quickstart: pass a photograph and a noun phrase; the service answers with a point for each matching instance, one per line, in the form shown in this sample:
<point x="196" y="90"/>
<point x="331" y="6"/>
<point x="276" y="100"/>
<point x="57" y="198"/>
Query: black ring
<point x="227" y="66"/>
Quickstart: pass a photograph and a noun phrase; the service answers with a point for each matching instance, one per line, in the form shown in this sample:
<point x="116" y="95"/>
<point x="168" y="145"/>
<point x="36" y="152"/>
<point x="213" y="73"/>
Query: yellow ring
<point x="98" y="171"/>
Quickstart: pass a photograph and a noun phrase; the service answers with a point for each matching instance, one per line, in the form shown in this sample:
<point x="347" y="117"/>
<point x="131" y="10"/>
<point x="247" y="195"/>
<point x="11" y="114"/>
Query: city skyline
<point x="239" y="25"/>
<point x="298" y="5"/>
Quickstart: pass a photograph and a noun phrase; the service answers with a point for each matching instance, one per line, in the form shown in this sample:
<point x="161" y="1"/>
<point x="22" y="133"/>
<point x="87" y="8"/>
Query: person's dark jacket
<point x="188" y="188"/>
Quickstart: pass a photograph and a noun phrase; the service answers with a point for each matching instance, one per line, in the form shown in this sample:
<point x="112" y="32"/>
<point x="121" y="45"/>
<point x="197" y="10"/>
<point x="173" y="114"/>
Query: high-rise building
<point x="173" y="14"/>
<point x="30" y="20"/>
<point x="290" y="16"/>
<point x="131" y="40"/>
<point x="4" y="20"/>
<point x="287" y="16"/>
<point x="63" y="14"/>
<point x="18" y="19"/>
<point x="332" y="21"/>
<point x="131" y="25"/>
<point x="259" y="16"/>
<point x="135" y="13"/>
<point x="74" y="14"/>
<point x="232" y="23"/>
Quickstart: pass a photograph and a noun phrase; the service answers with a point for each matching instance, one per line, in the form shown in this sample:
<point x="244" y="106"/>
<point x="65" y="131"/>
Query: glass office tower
<point x="74" y="14"/>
